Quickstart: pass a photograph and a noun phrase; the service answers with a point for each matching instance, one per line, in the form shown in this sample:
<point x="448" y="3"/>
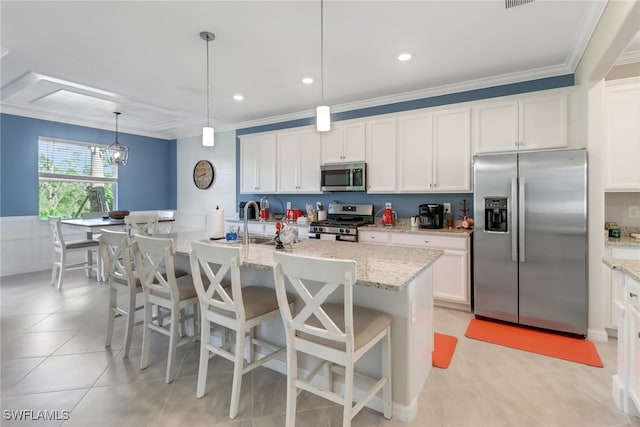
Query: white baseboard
<point x="597" y="335"/>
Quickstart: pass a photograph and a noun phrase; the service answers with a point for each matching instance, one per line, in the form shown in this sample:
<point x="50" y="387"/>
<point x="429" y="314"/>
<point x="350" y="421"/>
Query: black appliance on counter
<point x="252" y="214"/>
<point x="342" y="222"/>
<point x="431" y="215"/>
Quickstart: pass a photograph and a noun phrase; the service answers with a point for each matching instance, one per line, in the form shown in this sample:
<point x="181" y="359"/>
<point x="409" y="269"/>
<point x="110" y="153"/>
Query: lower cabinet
<point x="451" y="272"/>
<point x="626" y="381"/>
<point x="614" y="283"/>
<point x="631" y="349"/>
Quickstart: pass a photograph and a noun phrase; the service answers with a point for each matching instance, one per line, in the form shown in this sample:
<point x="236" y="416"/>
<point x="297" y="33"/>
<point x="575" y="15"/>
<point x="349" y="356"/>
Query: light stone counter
<point x="624" y="241"/>
<point x="377" y="266"/>
<point x="628" y="266"/>
<point x="404" y="227"/>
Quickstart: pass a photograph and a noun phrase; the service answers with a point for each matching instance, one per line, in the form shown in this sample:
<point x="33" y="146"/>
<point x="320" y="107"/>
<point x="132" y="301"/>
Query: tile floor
<point x="53" y="358"/>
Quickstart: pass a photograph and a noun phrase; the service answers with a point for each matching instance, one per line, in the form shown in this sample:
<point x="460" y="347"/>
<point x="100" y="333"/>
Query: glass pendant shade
<point x="207" y="136"/>
<point x="117" y="153"/>
<point x="323" y="118"/>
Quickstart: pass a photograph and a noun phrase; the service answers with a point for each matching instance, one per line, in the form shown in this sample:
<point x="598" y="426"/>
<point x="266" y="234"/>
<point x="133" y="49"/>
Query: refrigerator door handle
<point x="521" y="205"/>
<point x="514" y="235"/>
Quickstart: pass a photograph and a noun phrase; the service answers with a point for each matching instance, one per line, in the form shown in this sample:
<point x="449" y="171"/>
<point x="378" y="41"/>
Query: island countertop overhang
<point x="378" y="266"/>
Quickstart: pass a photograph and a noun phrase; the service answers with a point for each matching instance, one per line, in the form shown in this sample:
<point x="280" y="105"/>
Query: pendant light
<point x="117" y="153"/>
<point x="207" y="131"/>
<point x="323" y="112"/>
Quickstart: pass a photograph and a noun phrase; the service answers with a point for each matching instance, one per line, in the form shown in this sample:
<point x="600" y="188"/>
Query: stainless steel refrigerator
<point x="530" y="239"/>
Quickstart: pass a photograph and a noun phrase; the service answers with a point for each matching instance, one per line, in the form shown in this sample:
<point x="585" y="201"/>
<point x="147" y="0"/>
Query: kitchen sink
<point x="261" y="240"/>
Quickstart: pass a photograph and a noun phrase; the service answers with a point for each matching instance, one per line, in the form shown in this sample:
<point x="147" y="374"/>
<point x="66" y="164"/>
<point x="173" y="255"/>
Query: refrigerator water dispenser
<point x="495" y="214"/>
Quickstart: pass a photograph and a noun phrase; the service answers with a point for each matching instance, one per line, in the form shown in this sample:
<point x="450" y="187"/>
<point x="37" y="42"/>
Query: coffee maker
<point x="431" y="215"/>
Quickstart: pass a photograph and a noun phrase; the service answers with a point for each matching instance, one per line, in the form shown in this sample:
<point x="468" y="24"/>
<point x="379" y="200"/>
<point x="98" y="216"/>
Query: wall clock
<point x="203" y="174"/>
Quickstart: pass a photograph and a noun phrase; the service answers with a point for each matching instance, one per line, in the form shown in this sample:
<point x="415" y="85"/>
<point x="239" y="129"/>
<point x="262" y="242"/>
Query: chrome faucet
<point x="245" y="231"/>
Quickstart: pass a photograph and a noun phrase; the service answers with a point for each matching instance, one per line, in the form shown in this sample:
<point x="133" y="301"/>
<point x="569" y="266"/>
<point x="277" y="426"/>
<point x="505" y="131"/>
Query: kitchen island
<point x="395" y="280"/>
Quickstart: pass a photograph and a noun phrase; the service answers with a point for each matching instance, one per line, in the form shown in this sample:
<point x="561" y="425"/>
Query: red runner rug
<point x="443" y="348"/>
<point x="545" y="343"/>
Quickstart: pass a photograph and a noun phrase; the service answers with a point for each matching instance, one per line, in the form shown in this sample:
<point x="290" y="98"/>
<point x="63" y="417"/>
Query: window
<point x="75" y="178"/>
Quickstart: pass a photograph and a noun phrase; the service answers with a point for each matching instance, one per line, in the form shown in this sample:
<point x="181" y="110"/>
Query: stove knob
<point x="342" y="230"/>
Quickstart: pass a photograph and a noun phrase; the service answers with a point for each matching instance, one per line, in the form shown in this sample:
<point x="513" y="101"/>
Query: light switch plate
<point x="447" y="207"/>
<point x="633" y="211"/>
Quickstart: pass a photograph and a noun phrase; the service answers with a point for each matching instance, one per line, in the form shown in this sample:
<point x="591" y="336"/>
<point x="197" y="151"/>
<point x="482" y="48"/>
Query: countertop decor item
<point x="207" y="131"/>
<point x="118" y="214"/>
<point x="117" y="153"/>
<point x="203" y="174"/>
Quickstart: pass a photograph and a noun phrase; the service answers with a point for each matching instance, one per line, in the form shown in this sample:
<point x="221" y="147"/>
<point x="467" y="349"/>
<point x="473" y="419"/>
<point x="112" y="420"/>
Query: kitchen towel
<point x="217" y="223"/>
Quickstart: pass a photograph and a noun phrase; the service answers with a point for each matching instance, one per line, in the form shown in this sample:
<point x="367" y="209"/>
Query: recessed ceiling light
<point x="307" y="80"/>
<point x="404" y="57"/>
<point x="238" y="97"/>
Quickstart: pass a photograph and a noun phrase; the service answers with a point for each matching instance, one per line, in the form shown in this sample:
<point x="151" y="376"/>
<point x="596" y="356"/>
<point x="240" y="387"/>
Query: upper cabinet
<point x="345" y="142"/>
<point x="298" y="161"/>
<point x="622" y="135"/>
<point x="258" y="163"/>
<point x="381" y="155"/>
<point x="531" y="122"/>
<point x="434" y="151"/>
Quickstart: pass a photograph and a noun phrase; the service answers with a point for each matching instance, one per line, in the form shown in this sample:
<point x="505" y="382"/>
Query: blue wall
<point x="405" y="205"/>
<point x="147" y="182"/>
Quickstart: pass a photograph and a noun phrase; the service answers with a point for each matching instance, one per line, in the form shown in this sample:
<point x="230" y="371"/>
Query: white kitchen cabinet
<point x="451" y="272"/>
<point x="345" y="142"/>
<point x="415" y="153"/>
<point x="434" y="151"/>
<point x="622" y="135"/>
<point x="258" y="163"/>
<point x="298" y="160"/>
<point x="381" y="155"/>
<point x="531" y="122"/>
<point x="633" y="365"/>
<point x="613" y="281"/>
<point x="451" y="170"/>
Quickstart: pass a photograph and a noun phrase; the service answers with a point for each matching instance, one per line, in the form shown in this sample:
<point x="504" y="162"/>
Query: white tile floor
<point x="53" y="358"/>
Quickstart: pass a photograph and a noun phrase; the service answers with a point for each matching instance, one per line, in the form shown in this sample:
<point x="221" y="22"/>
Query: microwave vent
<point x="508" y="4"/>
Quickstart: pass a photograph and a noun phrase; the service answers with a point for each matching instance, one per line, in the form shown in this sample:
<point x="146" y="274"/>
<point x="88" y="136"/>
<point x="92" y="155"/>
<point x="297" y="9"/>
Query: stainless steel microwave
<point x="343" y="176"/>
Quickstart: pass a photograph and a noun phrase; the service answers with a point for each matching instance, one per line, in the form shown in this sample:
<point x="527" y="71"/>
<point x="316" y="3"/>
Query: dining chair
<point x="143" y="224"/>
<point x="338" y="334"/>
<point x="238" y="308"/>
<point x="62" y="249"/>
<point x="154" y="259"/>
<point x="115" y="249"/>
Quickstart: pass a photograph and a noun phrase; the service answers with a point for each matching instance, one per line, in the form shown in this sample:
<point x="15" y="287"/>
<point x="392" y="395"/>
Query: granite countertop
<point x="377" y="266"/>
<point x="627" y="241"/>
<point x="404" y="227"/>
<point x="629" y="266"/>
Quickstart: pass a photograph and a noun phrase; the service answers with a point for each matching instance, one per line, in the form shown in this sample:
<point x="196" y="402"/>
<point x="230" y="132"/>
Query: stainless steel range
<point x="342" y="222"/>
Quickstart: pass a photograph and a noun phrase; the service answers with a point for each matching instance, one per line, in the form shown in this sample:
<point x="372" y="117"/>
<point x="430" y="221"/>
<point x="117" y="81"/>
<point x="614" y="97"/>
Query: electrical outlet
<point x="633" y="211"/>
<point x="447" y="207"/>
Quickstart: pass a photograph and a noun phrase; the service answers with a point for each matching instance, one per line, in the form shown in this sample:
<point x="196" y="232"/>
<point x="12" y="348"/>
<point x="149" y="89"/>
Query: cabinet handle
<point x="632" y="295"/>
<point x="426" y="241"/>
<point x="515" y="143"/>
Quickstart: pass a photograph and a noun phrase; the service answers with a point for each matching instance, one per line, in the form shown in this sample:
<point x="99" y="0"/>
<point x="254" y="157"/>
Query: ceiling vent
<point x="508" y="4"/>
